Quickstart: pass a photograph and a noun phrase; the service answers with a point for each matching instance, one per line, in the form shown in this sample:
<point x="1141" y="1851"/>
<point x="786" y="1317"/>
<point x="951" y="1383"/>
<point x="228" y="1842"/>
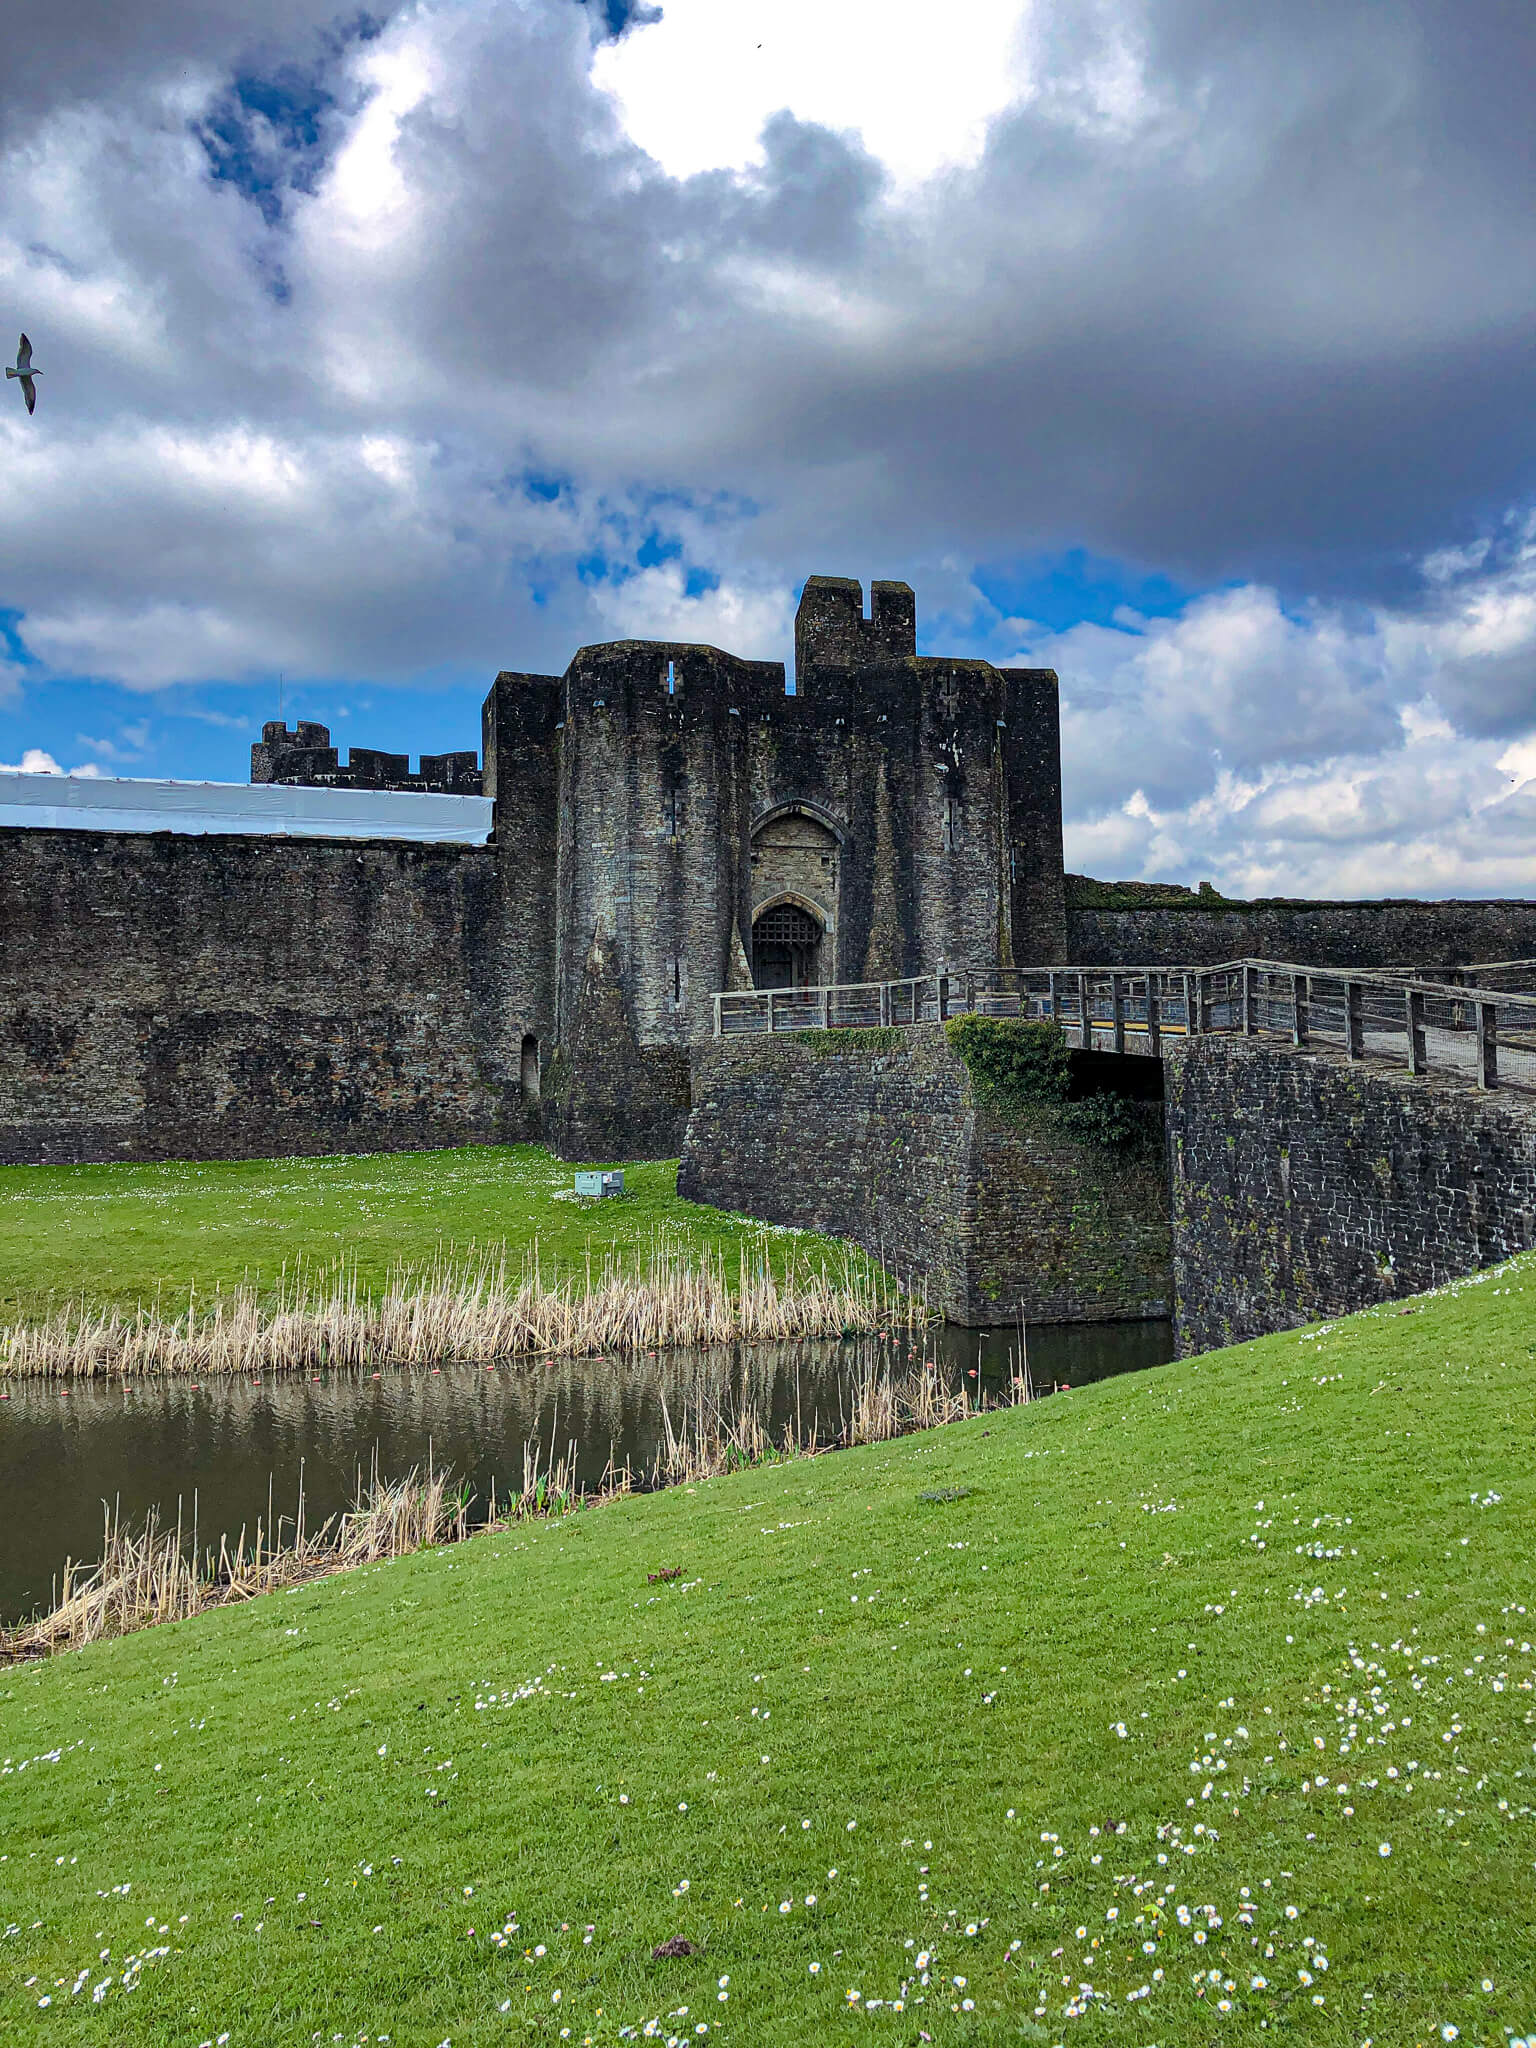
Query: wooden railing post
<point x="1054" y="1001"/>
<point x="1191" y="1004"/>
<point x="1250" y="1001"/>
<point x="885" y="1002"/>
<point x="1301" y="1009"/>
<point x="1083" y="1024"/>
<point x="942" y="981"/>
<point x="1414" y="1006"/>
<point x="826" y="1008"/>
<point x="1354" y="1020"/>
<point x="1154" y="1021"/>
<point x="772" y="1023"/>
<point x="1487" y="1045"/>
<point x="1204" y="1003"/>
<point x="717" y="1016"/>
<point x="1117" y="1010"/>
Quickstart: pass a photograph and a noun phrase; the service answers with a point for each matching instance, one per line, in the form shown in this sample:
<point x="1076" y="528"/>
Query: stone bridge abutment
<point x="878" y="1136"/>
<point x="1328" y="1141"/>
<point x="1305" y="1185"/>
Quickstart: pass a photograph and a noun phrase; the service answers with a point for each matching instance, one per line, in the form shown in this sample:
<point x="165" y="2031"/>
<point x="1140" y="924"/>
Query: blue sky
<point x="1188" y="350"/>
<point x="203" y="731"/>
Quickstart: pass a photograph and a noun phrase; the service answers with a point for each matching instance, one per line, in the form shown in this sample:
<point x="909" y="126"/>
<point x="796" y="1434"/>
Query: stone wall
<point x="166" y="996"/>
<point x="884" y="1143"/>
<point x="608" y="1097"/>
<point x="1303" y="1186"/>
<point x="1389" y="934"/>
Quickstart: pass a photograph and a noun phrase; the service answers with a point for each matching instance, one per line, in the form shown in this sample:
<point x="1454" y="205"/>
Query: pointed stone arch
<point x="801" y="807"/>
<point x="797" y="857"/>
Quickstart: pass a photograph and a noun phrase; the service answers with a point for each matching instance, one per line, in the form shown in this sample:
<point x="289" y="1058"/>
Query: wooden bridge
<point x="1476" y="1024"/>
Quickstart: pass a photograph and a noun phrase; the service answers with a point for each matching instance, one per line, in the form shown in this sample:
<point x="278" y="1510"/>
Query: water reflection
<point x="232" y="1451"/>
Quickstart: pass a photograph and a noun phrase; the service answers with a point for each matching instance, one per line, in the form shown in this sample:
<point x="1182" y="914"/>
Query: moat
<point x="232" y="1451"/>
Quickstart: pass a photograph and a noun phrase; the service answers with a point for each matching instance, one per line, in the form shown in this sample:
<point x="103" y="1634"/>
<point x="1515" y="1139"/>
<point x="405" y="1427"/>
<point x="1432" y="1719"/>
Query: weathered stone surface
<point x="887" y="1146"/>
<point x="1391" y="934"/>
<point x="1303" y="1186"/>
<point x="164" y="996"/>
<point x="912" y="806"/>
<point x="609" y="1097"/>
<point x="214" y="996"/>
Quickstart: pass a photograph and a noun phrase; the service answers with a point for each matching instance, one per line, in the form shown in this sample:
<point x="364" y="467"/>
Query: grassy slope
<point x="845" y="1675"/>
<point x="117" y="1233"/>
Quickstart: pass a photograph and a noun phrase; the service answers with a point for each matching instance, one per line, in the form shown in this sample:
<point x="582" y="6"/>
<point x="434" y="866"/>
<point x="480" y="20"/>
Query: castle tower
<point x="669" y="814"/>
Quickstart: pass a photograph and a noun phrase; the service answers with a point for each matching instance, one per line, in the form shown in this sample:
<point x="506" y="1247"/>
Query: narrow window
<point x="677" y="978"/>
<point x="530" y="1067"/>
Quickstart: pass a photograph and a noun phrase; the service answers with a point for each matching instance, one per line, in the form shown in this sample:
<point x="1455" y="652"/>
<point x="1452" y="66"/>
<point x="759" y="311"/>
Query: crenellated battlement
<point x="305" y="756"/>
<point x="832" y="633"/>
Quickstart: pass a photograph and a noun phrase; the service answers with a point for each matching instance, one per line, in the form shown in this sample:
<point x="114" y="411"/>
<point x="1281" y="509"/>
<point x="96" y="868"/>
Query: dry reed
<point x="149" y="1576"/>
<point x="454" y="1311"/>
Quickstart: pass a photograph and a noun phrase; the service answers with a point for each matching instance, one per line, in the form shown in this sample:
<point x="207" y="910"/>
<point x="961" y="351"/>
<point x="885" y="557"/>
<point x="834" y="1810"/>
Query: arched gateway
<point x="786" y="947"/>
<point x="796" y="856"/>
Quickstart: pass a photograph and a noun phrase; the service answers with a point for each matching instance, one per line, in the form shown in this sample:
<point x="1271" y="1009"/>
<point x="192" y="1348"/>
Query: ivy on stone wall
<point x="1013" y="1064"/>
<point x="1025" y="1070"/>
<point x="872" y="1038"/>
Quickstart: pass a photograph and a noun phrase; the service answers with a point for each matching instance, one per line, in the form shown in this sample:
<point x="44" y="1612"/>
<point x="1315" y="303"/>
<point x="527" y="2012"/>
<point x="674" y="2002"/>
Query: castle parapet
<point x="306" y="757"/>
<point x="831" y="631"/>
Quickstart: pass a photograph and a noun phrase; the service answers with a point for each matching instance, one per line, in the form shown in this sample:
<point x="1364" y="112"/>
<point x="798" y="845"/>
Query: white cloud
<point x="33" y="762"/>
<point x="902" y="293"/>
<point x="1434" y="818"/>
<point x="1308" y="755"/>
<point x="919" y="86"/>
<point x="655" y="605"/>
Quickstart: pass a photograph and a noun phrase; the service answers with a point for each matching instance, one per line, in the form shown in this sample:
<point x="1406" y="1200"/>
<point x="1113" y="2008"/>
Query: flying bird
<point x="26" y="373"/>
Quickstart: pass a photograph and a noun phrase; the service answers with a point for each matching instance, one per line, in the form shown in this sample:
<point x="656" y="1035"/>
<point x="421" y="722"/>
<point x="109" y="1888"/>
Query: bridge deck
<point x="1479" y="1034"/>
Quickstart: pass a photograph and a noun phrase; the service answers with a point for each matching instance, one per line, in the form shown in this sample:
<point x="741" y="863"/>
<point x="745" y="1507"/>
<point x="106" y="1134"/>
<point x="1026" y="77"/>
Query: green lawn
<point x="116" y="1234"/>
<point x="1148" y="1706"/>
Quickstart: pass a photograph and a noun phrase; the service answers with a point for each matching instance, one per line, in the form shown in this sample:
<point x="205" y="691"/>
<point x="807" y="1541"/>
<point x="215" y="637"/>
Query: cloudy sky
<point x="1188" y="346"/>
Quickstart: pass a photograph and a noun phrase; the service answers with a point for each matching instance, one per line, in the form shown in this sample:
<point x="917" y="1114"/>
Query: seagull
<point x="26" y="373"/>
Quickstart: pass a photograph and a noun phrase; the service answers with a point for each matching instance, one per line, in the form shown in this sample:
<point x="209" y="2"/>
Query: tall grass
<point x="456" y="1310"/>
<point x="154" y="1574"/>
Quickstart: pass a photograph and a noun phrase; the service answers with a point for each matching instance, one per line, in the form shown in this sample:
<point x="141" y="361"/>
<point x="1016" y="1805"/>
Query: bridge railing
<point x="1485" y="1034"/>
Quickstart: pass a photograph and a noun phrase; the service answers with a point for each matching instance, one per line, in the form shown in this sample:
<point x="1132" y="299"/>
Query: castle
<point x="667" y="821"/>
<point x="306" y="757"/>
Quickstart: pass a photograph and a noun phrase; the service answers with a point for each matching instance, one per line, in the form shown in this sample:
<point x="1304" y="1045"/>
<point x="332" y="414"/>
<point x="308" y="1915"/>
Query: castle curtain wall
<point x="165" y="996"/>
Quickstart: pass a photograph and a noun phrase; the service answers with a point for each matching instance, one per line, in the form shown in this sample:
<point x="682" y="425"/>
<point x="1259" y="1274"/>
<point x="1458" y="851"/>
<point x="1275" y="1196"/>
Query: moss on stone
<point x="874" y="1038"/>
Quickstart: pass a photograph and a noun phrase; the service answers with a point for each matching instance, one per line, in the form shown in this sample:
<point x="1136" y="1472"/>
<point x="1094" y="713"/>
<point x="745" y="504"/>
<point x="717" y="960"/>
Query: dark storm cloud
<point x="93" y="50"/>
<point x="1274" y="318"/>
<point x="1279" y="322"/>
<point x="1240" y="295"/>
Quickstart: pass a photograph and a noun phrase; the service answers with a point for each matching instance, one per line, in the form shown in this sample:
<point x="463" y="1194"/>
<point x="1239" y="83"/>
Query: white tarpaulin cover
<point x="127" y="804"/>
